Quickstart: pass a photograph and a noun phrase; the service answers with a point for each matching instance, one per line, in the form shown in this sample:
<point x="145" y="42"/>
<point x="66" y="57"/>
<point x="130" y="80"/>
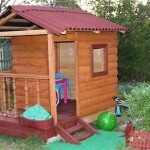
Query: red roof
<point x="58" y="20"/>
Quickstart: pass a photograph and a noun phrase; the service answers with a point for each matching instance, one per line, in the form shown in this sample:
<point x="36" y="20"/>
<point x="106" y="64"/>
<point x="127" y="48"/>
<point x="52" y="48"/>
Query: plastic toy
<point x="107" y="121"/>
<point x="119" y="105"/>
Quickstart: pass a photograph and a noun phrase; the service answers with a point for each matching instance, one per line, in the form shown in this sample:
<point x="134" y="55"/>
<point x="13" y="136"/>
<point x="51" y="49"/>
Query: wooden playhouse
<point x="46" y="40"/>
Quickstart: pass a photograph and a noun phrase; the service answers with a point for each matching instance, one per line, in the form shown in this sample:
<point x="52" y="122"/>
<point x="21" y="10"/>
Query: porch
<point x="11" y="126"/>
<point x="11" y="105"/>
<point x="20" y="91"/>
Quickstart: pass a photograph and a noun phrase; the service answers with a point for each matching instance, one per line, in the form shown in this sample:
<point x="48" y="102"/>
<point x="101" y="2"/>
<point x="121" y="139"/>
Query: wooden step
<point x="83" y="136"/>
<point x="75" y="128"/>
<point x="68" y="137"/>
<point x="88" y="127"/>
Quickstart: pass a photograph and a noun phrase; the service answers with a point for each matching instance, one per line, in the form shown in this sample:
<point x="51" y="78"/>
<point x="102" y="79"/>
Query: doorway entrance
<point x="65" y="64"/>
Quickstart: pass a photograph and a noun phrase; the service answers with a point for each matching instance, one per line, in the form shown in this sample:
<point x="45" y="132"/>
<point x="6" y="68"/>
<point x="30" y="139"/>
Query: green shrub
<point x="138" y="102"/>
<point x="126" y="88"/>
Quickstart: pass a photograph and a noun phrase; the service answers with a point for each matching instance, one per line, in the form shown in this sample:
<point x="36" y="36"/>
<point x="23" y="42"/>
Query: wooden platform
<point x="66" y="111"/>
<point x="10" y="126"/>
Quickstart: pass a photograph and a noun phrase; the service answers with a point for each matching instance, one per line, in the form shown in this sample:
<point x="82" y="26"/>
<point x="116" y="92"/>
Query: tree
<point x="4" y="4"/>
<point x="67" y="3"/>
<point x="134" y="46"/>
<point x="103" y="8"/>
<point x="62" y="3"/>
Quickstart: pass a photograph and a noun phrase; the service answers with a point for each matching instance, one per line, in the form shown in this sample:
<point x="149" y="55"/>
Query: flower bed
<point x="137" y="139"/>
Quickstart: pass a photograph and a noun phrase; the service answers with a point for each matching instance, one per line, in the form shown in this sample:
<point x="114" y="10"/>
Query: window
<point x="5" y="55"/>
<point x="99" y="60"/>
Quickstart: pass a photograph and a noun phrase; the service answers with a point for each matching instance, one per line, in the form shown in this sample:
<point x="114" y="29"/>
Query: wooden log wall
<point x="30" y="57"/>
<point x="95" y="93"/>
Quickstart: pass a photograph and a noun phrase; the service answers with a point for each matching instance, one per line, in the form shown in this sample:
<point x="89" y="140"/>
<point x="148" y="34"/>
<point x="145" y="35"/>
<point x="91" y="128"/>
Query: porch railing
<point x="8" y="98"/>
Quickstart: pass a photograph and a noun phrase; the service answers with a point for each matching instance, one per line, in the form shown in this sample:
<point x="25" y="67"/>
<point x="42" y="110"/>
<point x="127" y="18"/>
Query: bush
<point x="127" y="88"/>
<point x="138" y="102"/>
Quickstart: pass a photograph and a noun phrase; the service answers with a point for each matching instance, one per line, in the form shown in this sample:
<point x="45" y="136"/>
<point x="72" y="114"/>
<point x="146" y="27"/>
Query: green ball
<point x="107" y="121"/>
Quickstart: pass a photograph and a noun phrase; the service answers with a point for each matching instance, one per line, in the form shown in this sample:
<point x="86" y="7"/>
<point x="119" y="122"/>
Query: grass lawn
<point x="35" y="143"/>
<point x="12" y="143"/>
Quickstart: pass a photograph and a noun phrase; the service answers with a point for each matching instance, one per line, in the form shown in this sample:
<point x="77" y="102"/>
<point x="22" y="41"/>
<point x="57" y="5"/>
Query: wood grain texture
<point x="97" y="100"/>
<point x="70" y="36"/>
<point x="95" y="93"/>
<point x="51" y="72"/>
<point x="92" y="93"/>
<point x="96" y="108"/>
<point x="93" y="84"/>
<point x="30" y="56"/>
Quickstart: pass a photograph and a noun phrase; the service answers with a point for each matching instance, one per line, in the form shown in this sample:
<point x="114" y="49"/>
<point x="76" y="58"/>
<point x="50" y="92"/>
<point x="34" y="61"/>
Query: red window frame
<point x="105" y="60"/>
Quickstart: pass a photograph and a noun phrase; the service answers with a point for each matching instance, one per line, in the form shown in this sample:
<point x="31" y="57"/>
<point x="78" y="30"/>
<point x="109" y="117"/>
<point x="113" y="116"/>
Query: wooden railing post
<point x="4" y="98"/>
<point x="26" y="94"/>
<point x="15" y="101"/>
<point x="8" y="93"/>
<point x="1" y="93"/>
<point x="38" y="91"/>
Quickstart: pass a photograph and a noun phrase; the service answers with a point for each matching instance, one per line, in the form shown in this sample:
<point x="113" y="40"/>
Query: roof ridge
<point x="23" y="8"/>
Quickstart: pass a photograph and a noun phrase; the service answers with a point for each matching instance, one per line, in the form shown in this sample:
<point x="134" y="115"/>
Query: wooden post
<point x="77" y="80"/>
<point x="26" y="93"/>
<point x="1" y="95"/>
<point x="8" y="91"/>
<point x="51" y="68"/>
<point x="15" y="101"/>
<point x="57" y="57"/>
<point x="4" y="98"/>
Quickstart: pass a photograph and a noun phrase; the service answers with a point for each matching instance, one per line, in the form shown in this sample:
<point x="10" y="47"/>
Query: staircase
<point x="75" y="130"/>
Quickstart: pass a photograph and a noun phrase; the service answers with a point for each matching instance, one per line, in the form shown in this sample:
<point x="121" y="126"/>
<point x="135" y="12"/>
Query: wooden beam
<point x="27" y="76"/>
<point x="21" y="33"/>
<point x="33" y="27"/>
<point x="4" y="20"/>
<point x="51" y="65"/>
<point x="19" y="20"/>
<point x="57" y="57"/>
<point x="122" y="32"/>
<point x="13" y="28"/>
<point x="77" y="78"/>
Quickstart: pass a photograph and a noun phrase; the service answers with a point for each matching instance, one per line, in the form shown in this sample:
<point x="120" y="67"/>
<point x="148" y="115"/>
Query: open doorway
<point x="65" y="64"/>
